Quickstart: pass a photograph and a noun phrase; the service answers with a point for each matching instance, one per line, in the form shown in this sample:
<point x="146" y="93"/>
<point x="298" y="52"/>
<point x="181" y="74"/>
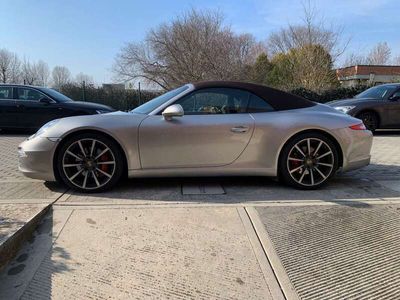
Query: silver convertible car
<point x="203" y="129"/>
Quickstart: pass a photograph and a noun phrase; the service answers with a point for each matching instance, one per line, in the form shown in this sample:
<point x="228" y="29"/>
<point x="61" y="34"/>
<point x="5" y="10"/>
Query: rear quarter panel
<point x="274" y="129"/>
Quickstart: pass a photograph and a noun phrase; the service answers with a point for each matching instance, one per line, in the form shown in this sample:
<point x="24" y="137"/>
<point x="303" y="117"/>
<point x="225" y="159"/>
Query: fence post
<point x="84" y="90"/>
<point x="140" y="96"/>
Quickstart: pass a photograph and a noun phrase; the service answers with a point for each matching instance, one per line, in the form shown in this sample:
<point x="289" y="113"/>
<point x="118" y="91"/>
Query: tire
<point x="370" y="120"/>
<point x="98" y="170"/>
<point x="304" y="169"/>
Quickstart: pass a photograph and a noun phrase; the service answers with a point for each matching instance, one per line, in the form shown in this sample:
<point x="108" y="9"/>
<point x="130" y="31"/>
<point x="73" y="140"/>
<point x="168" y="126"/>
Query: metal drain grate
<point x="338" y="252"/>
<point x="202" y="189"/>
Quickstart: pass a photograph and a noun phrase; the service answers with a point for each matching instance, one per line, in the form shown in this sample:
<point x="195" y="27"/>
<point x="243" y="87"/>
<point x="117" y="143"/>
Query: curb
<point x="10" y="247"/>
<point x="12" y="244"/>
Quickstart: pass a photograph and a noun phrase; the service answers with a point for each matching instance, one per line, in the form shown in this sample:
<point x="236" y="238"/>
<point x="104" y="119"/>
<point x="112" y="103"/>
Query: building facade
<point x="368" y="75"/>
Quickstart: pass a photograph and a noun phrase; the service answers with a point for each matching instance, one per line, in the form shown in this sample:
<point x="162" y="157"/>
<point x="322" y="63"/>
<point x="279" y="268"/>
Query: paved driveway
<point x="152" y="238"/>
<point x="385" y="164"/>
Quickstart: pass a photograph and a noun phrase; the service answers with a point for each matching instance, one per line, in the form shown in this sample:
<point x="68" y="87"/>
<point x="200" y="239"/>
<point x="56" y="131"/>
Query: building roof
<point x="367" y="70"/>
<point x="278" y="99"/>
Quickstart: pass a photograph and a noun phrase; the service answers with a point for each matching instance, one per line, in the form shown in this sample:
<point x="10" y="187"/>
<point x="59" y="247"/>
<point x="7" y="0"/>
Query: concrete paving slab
<point x="176" y="253"/>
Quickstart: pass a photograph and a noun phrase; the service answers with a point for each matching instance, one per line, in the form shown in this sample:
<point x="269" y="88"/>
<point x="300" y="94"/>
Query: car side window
<point x="215" y="101"/>
<point x="5" y="93"/>
<point x="396" y="94"/>
<point x="256" y="105"/>
<point x="29" y="94"/>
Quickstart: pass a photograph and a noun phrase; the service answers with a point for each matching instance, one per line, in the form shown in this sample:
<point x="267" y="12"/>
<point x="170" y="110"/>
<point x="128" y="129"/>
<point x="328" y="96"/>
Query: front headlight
<point x="344" y="109"/>
<point x="44" y="128"/>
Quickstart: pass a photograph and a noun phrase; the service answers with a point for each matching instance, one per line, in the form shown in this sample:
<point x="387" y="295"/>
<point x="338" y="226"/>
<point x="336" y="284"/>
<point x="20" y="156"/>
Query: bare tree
<point x="29" y="74"/>
<point x="354" y="59"/>
<point x="396" y="60"/>
<point x="9" y="67"/>
<point x="195" y="46"/>
<point x="60" y="76"/>
<point x="81" y="77"/>
<point x="312" y="31"/>
<point x="43" y="72"/>
<point x="379" y="55"/>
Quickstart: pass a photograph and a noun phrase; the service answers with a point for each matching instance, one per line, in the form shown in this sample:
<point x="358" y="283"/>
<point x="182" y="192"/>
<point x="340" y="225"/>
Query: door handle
<point x="240" y="129"/>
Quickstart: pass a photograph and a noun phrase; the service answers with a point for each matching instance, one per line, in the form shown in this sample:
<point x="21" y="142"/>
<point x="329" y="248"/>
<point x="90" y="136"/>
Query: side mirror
<point x="395" y="98"/>
<point x="175" y="110"/>
<point x="45" y="100"/>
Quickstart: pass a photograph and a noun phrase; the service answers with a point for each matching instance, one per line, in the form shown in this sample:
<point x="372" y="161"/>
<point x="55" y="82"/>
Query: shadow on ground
<point x="343" y="187"/>
<point x="387" y="132"/>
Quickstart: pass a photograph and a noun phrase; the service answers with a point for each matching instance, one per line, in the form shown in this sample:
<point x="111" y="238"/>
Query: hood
<point x="89" y="105"/>
<point x="350" y="102"/>
<point x="110" y="122"/>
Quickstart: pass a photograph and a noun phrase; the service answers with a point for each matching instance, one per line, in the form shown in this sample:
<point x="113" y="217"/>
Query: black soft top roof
<point x="279" y="100"/>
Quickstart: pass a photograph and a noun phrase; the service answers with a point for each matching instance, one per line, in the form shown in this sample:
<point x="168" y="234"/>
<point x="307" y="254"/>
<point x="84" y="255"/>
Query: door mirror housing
<point x="395" y="98"/>
<point x="45" y="100"/>
<point x="175" y="110"/>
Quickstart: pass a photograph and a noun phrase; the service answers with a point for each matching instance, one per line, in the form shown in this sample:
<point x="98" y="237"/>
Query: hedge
<point x="128" y="99"/>
<point x="329" y="95"/>
<point x="119" y="99"/>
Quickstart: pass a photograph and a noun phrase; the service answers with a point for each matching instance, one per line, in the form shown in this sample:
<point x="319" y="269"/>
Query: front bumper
<point x="35" y="158"/>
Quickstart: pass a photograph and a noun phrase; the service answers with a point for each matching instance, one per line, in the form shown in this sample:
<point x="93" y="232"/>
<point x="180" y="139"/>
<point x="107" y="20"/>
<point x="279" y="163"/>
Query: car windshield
<point x="377" y="92"/>
<point x="56" y="95"/>
<point x="151" y="105"/>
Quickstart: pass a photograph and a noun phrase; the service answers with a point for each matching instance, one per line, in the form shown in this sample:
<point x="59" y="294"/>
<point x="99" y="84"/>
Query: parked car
<point x="202" y="129"/>
<point x="378" y="107"/>
<point x="29" y="107"/>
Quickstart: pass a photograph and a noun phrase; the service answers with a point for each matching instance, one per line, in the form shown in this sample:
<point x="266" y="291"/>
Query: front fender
<point x="123" y="128"/>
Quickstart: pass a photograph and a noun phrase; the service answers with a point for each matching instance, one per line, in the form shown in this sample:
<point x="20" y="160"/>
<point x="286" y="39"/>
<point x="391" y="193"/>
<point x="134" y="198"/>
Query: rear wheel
<point x="90" y="163"/>
<point x="369" y="119"/>
<point x="308" y="161"/>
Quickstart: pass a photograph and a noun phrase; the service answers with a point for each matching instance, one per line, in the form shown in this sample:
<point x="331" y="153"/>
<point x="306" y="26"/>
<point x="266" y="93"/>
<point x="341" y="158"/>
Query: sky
<point x="86" y="35"/>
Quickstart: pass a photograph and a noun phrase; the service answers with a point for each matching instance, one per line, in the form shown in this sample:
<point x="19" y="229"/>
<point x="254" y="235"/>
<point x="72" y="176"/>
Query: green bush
<point x="329" y="95"/>
<point x="118" y="99"/>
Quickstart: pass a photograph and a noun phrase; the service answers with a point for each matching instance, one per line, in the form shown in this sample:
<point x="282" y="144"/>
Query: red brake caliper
<point x="294" y="164"/>
<point x="104" y="167"/>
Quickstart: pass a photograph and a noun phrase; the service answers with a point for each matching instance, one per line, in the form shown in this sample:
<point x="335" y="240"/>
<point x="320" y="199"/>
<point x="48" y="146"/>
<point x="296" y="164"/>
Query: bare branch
<point x="195" y="46"/>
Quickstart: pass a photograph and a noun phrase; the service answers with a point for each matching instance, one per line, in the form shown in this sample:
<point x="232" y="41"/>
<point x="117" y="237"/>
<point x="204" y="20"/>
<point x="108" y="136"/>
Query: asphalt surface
<point x="220" y="238"/>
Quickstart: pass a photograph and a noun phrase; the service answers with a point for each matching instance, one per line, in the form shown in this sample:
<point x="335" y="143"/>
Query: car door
<point x="32" y="113"/>
<point x="394" y="110"/>
<point x="8" y="108"/>
<point x="214" y="131"/>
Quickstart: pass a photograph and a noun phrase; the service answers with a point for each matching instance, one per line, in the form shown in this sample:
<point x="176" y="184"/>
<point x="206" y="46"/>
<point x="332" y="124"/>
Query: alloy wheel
<point x="310" y="162"/>
<point x="369" y="120"/>
<point x="88" y="163"/>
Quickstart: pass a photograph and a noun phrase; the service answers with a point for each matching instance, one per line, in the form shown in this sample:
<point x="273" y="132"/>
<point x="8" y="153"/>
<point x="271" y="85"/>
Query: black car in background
<point x="378" y="107"/>
<point x="30" y="107"/>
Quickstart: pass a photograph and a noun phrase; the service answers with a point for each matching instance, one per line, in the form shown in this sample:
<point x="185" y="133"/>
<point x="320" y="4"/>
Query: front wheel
<point x="90" y="163"/>
<point x="308" y="161"/>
